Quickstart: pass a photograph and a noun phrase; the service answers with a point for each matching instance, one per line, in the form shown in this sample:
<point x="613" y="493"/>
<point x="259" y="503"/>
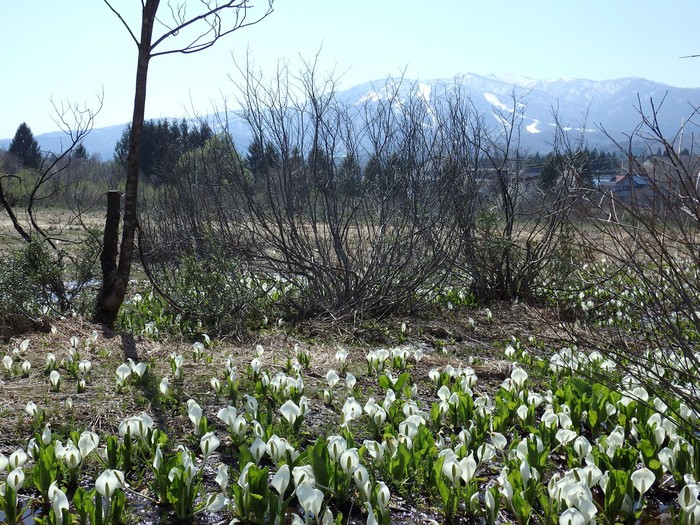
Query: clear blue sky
<point x="72" y="49"/>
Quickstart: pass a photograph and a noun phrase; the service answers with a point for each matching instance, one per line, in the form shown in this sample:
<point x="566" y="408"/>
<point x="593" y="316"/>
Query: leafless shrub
<point x="644" y="287"/>
<point x="514" y="230"/>
<point x="362" y="208"/>
<point x="58" y="257"/>
<point x="351" y="241"/>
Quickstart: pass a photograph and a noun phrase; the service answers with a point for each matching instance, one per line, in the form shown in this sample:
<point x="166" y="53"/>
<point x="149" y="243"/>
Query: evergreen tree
<point x="533" y="162"/>
<point x="582" y="165"/>
<point x="261" y="157"/>
<point x="320" y="166"/>
<point x="387" y="176"/>
<point x="550" y="172"/>
<point x="196" y="137"/>
<point x="25" y="147"/>
<point x="393" y="178"/>
<point x="373" y="170"/>
<point x="350" y="175"/>
<point x="80" y="152"/>
<point x="272" y="156"/>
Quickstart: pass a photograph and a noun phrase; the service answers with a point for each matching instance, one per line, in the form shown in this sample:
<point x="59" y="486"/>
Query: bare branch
<point x="124" y="23"/>
<point x="213" y="22"/>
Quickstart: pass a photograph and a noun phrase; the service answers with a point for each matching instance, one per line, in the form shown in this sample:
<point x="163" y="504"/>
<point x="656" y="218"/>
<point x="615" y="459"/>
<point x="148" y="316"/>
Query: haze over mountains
<point x="611" y="104"/>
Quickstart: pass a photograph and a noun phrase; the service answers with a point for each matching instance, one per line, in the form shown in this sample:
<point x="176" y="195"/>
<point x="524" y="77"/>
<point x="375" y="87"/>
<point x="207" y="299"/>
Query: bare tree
<point x="181" y="32"/>
<point x="43" y="184"/>
<point x="363" y="209"/>
<point x="76" y="121"/>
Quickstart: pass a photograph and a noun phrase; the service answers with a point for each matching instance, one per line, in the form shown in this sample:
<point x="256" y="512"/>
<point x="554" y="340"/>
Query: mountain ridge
<point x="612" y="105"/>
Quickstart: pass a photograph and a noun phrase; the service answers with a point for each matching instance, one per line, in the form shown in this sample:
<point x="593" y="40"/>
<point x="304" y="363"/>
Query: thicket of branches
<point x="643" y="286"/>
<point x="357" y="210"/>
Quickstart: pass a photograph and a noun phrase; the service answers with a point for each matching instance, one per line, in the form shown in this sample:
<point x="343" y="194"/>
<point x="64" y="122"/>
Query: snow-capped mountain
<point x="611" y="105"/>
<point x="599" y="107"/>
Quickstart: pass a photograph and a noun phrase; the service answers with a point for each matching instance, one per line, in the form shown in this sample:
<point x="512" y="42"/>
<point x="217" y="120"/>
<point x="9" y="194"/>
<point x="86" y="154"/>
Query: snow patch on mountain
<point x="532" y="128"/>
<point x="497" y="104"/>
<point x="371" y="96"/>
<point x="424" y="91"/>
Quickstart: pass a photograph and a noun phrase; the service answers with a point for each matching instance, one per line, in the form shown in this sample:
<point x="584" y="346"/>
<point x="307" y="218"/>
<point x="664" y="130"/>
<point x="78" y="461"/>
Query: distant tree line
<point x="164" y="142"/>
<point x="167" y="143"/>
<point x="590" y="165"/>
<point x="351" y="173"/>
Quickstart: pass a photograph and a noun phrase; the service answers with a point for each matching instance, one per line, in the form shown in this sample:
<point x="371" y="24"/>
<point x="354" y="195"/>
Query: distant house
<point x="621" y="192"/>
<point x="627" y="187"/>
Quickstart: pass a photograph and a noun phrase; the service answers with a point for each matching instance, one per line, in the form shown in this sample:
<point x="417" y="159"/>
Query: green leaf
<point x="244" y="455"/>
<point x="648" y="450"/>
<point x="593" y="417"/>
<point x="112" y="452"/>
<point x="401" y="381"/>
<point x="320" y="462"/>
<point x="384" y="382"/>
<point x="401" y="462"/>
<point x="444" y="491"/>
<point x="656" y="467"/>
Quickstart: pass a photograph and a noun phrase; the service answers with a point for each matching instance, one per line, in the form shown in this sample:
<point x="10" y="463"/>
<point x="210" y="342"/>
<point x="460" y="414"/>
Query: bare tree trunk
<point x="216" y="18"/>
<point x="114" y="284"/>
